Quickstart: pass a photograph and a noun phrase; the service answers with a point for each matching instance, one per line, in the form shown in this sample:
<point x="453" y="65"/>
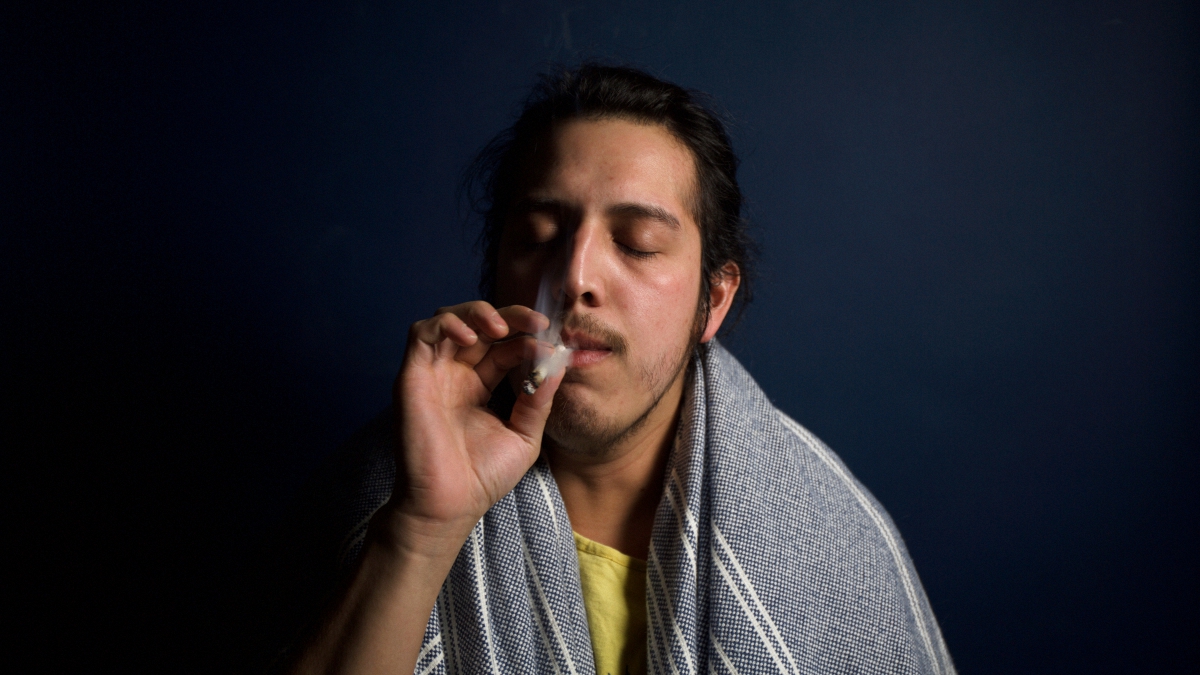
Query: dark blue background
<point x="979" y="241"/>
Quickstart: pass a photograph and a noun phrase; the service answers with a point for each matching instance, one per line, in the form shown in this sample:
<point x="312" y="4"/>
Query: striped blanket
<point x="767" y="556"/>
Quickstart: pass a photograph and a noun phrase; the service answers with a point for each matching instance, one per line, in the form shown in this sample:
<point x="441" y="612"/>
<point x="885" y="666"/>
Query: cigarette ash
<point x="547" y="365"/>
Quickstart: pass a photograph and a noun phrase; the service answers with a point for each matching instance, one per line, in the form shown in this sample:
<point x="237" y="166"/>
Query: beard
<point x="582" y="429"/>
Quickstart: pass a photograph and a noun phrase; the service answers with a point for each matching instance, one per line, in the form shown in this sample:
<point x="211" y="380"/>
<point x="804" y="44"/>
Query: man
<point x="648" y="510"/>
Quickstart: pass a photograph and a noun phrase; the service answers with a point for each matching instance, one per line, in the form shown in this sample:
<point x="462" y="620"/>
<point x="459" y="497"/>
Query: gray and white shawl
<point x="767" y="556"/>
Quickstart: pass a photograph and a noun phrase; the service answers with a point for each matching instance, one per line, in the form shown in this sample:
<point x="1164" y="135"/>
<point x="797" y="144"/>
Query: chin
<point x="579" y="428"/>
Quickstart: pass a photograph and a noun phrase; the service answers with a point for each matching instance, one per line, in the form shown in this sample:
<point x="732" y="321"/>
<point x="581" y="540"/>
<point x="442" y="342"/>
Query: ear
<point x="721" y="291"/>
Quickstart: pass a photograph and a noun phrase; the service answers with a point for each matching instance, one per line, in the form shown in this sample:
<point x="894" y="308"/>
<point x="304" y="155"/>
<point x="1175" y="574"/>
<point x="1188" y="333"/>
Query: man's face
<point x="606" y="213"/>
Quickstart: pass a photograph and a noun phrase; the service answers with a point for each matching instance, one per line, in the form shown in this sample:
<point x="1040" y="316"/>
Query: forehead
<point x="607" y="161"/>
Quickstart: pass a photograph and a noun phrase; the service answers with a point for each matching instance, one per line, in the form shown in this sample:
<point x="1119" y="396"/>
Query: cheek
<point x="666" y="304"/>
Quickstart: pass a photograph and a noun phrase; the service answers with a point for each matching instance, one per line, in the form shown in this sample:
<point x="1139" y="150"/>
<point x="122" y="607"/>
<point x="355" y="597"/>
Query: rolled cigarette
<point x="547" y="368"/>
<point x="536" y="377"/>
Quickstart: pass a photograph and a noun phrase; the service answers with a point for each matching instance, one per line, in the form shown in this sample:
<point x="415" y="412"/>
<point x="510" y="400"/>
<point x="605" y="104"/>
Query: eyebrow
<point x="646" y="211"/>
<point x="625" y="209"/>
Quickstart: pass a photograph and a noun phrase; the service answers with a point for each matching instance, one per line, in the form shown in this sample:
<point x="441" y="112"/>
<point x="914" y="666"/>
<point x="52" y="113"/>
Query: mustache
<point x="596" y="329"/>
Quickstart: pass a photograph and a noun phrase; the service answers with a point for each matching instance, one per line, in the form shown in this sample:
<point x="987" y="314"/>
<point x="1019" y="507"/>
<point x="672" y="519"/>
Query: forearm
<point x="378" y="623"/>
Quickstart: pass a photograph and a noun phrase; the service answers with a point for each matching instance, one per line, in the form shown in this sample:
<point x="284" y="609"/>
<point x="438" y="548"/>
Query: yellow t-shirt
<point x="614" y="595"/>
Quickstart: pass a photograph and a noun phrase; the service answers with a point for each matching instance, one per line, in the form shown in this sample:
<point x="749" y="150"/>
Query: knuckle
<point x="477" y="311"/>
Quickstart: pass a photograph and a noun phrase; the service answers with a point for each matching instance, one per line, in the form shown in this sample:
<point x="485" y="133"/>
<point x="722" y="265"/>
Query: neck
<point x="611" y="497"/>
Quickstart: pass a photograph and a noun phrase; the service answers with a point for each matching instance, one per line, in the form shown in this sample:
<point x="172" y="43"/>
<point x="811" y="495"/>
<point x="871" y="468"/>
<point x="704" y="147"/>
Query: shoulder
<point x="808" y="532"/>
<point x="776" y="461"/>
<point x="756" y="437"/>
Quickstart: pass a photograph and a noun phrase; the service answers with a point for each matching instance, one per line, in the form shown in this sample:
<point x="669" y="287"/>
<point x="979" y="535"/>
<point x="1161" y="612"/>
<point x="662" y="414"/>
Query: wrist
<point x="412" y="535"/>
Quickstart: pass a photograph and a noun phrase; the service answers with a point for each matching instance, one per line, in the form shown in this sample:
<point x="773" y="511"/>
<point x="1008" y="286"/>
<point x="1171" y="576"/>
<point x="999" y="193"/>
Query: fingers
<point x="435" y="331"/>
<point x="503" y="357"/>
<point x="522" y="319"/>
<point x="529" y="413"/>
<point x="480" y="316"/>
<point x="463" y="325"/>
<point x="497" y="323"/>
<point x="491" y="325"/>
<point x="468" y="333"/>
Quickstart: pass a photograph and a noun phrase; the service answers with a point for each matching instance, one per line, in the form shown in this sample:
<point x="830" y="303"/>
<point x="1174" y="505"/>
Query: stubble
<point x="585" y="430"/>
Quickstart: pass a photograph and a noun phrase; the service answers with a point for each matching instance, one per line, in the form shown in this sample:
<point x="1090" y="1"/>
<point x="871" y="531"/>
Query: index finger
<point x="480" y="316"/>
<point x="523" y="319"/>
<point x="516" y="319"/>
<point x="496" y="324"/>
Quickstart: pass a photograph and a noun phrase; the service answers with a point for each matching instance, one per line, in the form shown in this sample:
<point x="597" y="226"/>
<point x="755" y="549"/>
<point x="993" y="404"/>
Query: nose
<point x="583" y="269"/>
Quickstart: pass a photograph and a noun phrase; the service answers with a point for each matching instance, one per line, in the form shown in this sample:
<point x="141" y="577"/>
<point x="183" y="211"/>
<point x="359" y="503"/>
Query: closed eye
<point x="636" y="253"/>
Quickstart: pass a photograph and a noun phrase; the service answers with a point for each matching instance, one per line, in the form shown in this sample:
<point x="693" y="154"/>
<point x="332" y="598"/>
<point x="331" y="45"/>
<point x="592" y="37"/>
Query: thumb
<point x="529" y="413"/>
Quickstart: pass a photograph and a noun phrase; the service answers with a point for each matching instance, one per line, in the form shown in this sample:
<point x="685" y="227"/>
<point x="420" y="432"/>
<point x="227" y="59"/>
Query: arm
<point x="454" y="460"/>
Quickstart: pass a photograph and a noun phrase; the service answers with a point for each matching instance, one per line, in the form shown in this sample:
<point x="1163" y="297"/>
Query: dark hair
<point x="594" y="91"/>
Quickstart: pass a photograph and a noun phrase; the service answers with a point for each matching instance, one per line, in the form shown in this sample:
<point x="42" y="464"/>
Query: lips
<point x="587" y="357"/>
<point x="587" y="349"/>
<point x="582" y="342"/>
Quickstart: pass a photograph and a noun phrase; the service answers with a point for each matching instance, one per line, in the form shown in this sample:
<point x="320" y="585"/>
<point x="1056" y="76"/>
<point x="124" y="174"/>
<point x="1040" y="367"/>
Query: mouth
<point x="587" y="349"/>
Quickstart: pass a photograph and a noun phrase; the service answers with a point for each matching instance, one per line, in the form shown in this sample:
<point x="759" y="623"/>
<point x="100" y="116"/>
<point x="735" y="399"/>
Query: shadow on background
<point x="979" y="234"/>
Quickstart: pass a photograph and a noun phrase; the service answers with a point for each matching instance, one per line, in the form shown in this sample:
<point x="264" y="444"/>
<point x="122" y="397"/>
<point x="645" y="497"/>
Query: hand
<point x="454" y="457"/>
